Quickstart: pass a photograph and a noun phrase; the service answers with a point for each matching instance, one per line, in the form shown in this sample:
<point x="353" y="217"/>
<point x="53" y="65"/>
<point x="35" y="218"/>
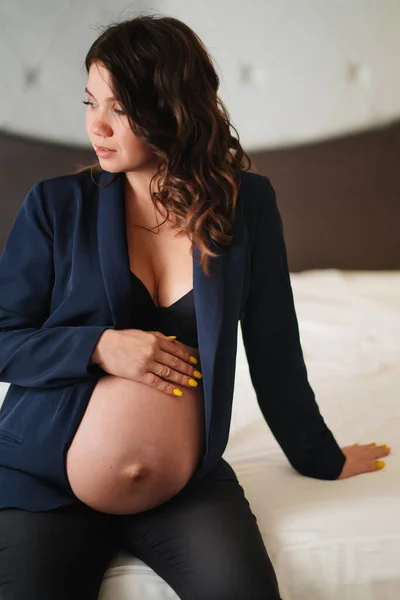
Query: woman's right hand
<point x="139" y="355"/>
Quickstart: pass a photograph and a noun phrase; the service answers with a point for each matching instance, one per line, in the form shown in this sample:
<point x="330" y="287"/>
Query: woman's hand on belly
<point x="139" y="355"/>
<point x="136" y="447"/>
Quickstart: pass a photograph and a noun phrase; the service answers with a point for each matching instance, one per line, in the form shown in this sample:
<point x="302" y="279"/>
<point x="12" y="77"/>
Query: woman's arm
<point x="271" y="339"/>
<point x="30" y="355"/>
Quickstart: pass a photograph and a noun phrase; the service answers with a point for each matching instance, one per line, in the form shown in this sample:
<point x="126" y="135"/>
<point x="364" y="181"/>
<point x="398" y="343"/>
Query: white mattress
<point x="336" y="540"/>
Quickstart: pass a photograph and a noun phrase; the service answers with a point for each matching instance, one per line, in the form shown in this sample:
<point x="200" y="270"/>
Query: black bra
<point x="177" y="319"/>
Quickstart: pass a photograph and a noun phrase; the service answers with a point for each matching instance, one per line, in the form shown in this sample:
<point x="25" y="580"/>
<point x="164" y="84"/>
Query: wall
<point x="292" y="71"/>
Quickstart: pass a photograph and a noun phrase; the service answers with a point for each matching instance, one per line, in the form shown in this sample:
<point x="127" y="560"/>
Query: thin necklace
<point x="151" y="228"/>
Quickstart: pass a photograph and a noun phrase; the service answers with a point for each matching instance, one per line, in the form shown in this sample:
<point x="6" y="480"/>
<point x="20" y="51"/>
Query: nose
<point x="101" y="128"/>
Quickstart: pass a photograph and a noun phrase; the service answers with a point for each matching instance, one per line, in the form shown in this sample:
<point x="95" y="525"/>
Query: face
<point x="117" y="147"/>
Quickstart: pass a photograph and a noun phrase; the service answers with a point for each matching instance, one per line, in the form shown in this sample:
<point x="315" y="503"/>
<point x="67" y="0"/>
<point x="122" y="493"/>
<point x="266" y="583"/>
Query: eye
<point x="120" y="111"/>
<point x="87" y="103"/>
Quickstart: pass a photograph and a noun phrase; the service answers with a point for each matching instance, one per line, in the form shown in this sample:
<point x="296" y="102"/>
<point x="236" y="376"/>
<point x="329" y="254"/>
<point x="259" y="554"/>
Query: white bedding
<point x="336" y="540"/>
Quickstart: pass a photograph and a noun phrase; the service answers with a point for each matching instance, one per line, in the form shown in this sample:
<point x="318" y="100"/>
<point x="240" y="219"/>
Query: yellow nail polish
<point x="386" y="446"/>
<point x="380" y="464"/>
<point x="372" y="444"/>
<point x="356" y="444"/>
<point x="193" y="383"/>
<point x="177" y="392"/>
<point x="173" y="337"/>
<point x="197" y="374"/>
<point x="193" y="360"/>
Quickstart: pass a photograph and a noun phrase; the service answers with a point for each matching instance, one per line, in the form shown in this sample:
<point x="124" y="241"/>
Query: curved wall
<point x="339" y="200"/>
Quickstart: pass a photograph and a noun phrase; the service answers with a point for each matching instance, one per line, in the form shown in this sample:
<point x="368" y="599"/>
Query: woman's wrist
<point x="97" y="357"/>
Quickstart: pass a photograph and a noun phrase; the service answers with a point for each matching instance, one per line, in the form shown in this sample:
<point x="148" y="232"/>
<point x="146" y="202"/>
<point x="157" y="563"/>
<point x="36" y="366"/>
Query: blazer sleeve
<point x="276" y="365"/>
<point x="32" y="355"/>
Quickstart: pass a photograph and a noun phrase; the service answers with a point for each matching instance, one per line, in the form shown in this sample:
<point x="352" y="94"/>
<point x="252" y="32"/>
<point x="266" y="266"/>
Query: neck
<point x="137" y="187"/>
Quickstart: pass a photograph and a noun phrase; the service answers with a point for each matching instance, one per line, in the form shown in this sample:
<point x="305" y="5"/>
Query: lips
<point x="103" y="152"/>
<point x="104" y="148"/>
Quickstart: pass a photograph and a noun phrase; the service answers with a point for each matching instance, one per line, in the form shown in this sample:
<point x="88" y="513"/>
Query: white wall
<point x="291" y="71"/>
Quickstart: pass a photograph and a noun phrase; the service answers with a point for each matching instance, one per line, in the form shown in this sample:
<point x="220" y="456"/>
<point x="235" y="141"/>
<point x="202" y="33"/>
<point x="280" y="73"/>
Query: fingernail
<point x="173" y="337"/>
<point x="356" y="444"/>
<point x="372" y="444"/>
<point x="177" y="392"/>
<point x="380" y="464"/>
<point x="197" y="374"/>
<point x="386" y="446"/>
<point x="193" y="383"/>
<point x="193" y="360"/>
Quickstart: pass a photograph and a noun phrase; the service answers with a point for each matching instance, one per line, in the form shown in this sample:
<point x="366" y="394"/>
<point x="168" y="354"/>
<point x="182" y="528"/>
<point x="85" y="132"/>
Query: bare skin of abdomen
<point x="136" y="447"/>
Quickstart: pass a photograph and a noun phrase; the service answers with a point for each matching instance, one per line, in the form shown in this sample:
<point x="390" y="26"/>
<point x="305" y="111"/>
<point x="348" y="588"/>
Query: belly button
<point x="136" y="472"/>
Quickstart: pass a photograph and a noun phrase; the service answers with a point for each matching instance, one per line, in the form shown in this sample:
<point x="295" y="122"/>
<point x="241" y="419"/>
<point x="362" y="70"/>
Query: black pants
<point x="204" y="542"/>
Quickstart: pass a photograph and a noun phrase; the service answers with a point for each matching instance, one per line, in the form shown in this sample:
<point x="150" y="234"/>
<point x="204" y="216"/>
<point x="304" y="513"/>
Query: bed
<point x="327" y="540"/>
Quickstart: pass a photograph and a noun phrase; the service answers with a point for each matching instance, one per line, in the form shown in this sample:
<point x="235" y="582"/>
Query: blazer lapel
<point x="209" y="300"/>
<point x="218" y="300"/>
<point x="113" y="248"/>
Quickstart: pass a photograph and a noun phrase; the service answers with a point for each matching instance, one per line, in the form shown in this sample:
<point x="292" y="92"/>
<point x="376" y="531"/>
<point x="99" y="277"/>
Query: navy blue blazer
<point x="65" y="278"/>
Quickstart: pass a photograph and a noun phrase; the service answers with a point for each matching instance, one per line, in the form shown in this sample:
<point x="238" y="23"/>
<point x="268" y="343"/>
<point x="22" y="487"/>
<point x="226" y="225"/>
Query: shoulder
<point x="256" y="196"/>
<point x="65" y="185"/>
<point x="255" y="189"/>
<point x="251" y="180"/>
<point x="60" y="196"/>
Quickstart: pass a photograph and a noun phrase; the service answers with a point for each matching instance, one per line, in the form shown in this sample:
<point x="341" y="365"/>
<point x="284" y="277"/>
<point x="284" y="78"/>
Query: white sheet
<point x="335" y="540"/>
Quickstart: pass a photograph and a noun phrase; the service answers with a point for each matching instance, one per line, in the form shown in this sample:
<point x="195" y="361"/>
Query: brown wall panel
<point x="339" y="200"/>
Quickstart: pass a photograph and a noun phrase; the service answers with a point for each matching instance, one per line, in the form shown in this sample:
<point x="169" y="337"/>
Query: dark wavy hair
<point x="164" y="78"/>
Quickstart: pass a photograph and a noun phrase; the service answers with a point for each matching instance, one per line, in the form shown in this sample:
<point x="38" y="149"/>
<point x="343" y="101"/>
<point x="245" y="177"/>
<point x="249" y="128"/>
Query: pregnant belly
<point x="136" y="447"/>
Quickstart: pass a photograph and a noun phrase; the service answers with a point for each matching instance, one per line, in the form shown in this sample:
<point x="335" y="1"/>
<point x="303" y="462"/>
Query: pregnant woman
<point x="121" y="290"/>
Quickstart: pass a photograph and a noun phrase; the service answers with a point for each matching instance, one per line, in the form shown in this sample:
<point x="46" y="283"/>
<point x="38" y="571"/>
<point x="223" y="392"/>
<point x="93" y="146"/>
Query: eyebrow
<point x="90" y="94"/>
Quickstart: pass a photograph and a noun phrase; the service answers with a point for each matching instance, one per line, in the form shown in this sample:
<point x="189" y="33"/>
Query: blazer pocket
<point x="10" y="439"/>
